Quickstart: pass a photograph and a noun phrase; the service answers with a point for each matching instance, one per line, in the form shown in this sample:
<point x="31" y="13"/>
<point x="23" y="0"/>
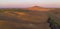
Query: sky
<point x="29" y="3"/>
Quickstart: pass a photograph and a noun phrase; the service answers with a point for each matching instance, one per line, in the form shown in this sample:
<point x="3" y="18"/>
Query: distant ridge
<point x="38" y="8"/>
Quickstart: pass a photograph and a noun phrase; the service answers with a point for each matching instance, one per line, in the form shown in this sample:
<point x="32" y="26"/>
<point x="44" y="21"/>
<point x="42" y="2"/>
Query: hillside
<point x="38" y="8"/>
<point x="23" y="19"/>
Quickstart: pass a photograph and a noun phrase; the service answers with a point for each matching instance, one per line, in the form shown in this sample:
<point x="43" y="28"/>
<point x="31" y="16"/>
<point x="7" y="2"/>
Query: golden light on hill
<point x="38" y="8"/>
<point x="2" y="22"/>
<point x="20" y="13"/>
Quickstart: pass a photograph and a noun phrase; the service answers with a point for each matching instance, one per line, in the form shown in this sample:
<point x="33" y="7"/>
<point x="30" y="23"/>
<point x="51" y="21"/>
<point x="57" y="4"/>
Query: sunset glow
<point x="29" y="3"/>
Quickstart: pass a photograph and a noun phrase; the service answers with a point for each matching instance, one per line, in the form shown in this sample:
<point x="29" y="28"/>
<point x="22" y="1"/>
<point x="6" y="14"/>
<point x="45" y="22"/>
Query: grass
<point x="54" y="19"/>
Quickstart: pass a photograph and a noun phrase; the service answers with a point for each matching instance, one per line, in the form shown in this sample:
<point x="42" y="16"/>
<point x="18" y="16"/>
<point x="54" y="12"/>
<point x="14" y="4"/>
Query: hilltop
<point x="37" y="8"/>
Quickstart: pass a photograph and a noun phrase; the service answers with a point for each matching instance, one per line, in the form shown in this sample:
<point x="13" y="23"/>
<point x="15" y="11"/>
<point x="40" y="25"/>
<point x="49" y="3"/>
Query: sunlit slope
<point x="38" y="8"/>
<point x="28" y="16"/>
<point x="26" y="19"/>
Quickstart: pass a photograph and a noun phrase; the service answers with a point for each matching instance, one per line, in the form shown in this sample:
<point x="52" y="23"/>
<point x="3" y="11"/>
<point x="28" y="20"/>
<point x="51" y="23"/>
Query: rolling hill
<point x="37" y="8"/>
